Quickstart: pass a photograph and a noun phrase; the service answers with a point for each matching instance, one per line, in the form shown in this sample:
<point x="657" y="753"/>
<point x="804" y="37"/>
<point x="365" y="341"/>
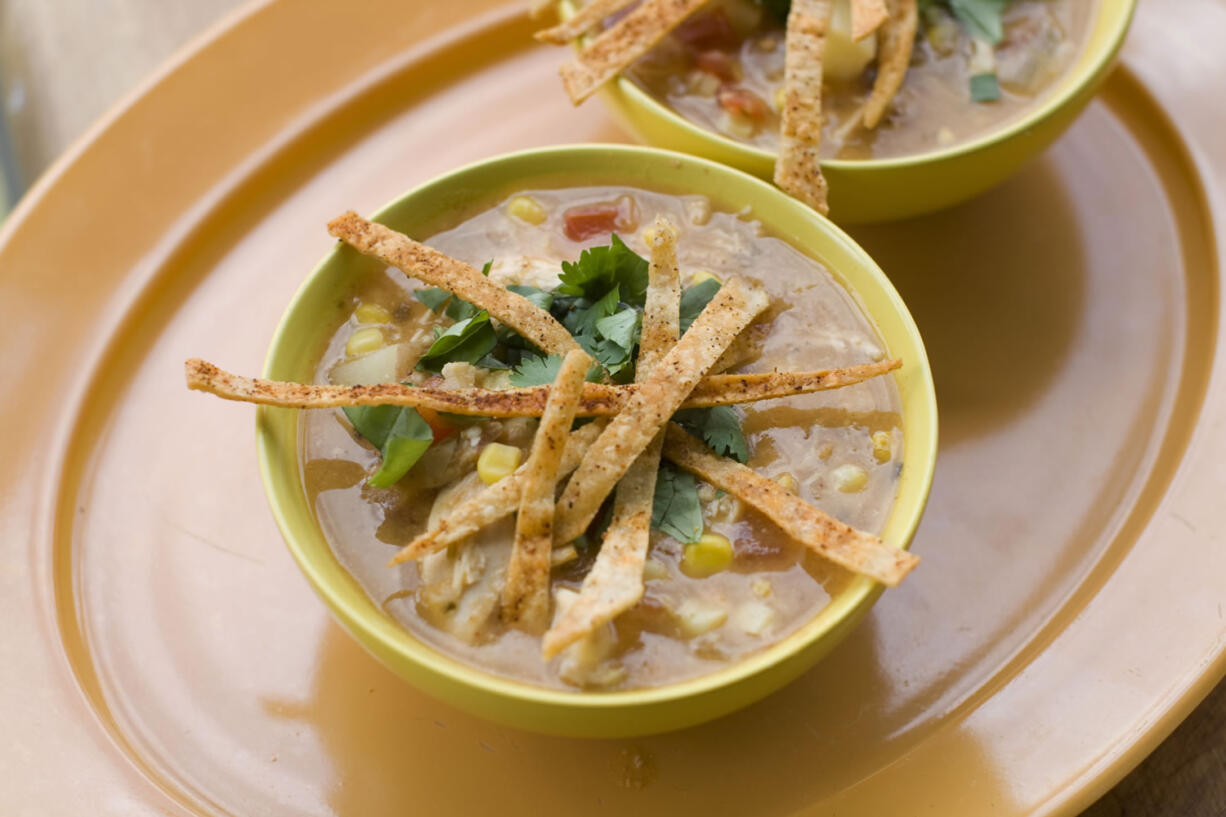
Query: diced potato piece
<point x="497" y="461"/>
<point x="735" y="124"/>
<point x="850" y="479"/>
<point x="526" y="208"/>
<point x="696" y="617"/>
<point x="726" y="508"/>
<point x="364" y="341"/>
<point x="754" y="618"/>
<point x="372" y="313"/>
<point x="709" y="555"/>
<point x="380" y="366"/>
<point x="882" y="446"/>
<point x="845" y="59"/>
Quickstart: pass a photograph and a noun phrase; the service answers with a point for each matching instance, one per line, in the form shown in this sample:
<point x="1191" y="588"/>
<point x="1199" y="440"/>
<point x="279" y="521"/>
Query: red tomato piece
<point x="742" y="102"/>
<point x="588" y="220"/>
<point x="441" y="428"/>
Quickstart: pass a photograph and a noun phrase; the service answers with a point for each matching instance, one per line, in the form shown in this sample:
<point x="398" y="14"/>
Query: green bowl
<point x="441" y="204"/>
<point x="886" y="189"/>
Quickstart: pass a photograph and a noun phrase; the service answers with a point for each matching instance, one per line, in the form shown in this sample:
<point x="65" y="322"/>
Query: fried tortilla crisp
<point x="615" y="582"/>
<point x="840" y="543"/>
<point x="598" y="399"/>
<point x="653" y="403"/>
<point x="798" y="170"/>
<point x="497" y="501"/>
<point x="439" y="270"/>
<point x="897" y="38"/>
<point x="525" y="599"/>
<point x="625" y="42"/>
<point x="866" y="17"/>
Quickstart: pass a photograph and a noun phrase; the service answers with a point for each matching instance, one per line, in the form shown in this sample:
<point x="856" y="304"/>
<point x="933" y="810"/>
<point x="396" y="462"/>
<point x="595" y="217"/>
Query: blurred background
<point x="63" y="63"/>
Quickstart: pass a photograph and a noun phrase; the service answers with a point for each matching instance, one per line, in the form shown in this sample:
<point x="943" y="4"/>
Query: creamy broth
<point x="727" y="76"/>
<point x="842" y="449"/>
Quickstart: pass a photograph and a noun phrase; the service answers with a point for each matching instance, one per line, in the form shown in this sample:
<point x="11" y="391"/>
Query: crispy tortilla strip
<point x="895" y="41"/>
<point x="842" y="544"/>
<point x="525" y="599"/>
<point x="653" y="403"/>
<point x="615" y="582"/>
<point x="798" y="170"/>
<point x="616" y="47"/>
<point x="436" y="269"/>
<point x="582" y="21"/>
<point x="866" y="17"/>
<point x="494" y="503"/>
<point x="598" y="399"/>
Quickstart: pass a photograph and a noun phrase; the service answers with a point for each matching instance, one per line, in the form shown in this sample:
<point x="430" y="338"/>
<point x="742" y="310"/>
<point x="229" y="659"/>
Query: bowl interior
<point x="1107" y="31"/>
<point x="446" y="201"/>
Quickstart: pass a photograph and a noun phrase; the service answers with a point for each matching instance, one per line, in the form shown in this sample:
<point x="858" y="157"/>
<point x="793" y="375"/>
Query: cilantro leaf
<point x="432" y="297"/>
<point x="720" y="429"/>
<point x="984" y="88"/>
<point x="538" y="370"/>
<point x="675" y="508"/>
<point x="467" y="341"/>
<point x="980" y="18"/>
<point x="695" y="299"/>
<point x="622" y="328"/>
<point x="540" y="297"/>
<point x="600" y="269"/>
<point x="400" y="434"/>
<point x="585" y="314"/>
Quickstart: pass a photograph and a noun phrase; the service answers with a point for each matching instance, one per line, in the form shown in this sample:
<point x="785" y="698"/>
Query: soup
<point x="738" y="584"/>
<point x="723" y="69"/>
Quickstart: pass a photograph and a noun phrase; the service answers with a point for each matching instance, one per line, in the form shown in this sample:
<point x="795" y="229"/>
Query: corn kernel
<point x="760" y="587"/>
<point x="850" y="479"/>
<point x="364" y="340"/>
<point x="787" y="482"/>
<point x="781" y="97"/>
<point x="526" y="208"/>
<point x="372" y="313"/>
<point x="654" y="570"/>
<point x="497" y="461"/>
<point x="881" y="446"/>
<point x="702" y="276"/>
<point x="649" y="236"/>
<point x="709" y="555"/>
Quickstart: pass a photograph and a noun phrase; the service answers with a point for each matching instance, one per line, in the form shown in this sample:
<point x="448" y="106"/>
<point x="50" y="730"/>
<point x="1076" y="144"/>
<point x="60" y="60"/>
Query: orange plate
<point x="162" y="654"/>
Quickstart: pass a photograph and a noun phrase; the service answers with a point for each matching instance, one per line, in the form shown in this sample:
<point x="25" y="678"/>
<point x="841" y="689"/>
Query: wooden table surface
<point x="65" y="62"/>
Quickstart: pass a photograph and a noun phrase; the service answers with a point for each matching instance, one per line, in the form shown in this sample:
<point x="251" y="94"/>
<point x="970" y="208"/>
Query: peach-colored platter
<point x="163" y="655"/>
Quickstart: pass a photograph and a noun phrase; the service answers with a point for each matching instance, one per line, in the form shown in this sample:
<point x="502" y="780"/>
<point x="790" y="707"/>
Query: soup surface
<point x="839" y="449"/>
<point x="723" y="69"/>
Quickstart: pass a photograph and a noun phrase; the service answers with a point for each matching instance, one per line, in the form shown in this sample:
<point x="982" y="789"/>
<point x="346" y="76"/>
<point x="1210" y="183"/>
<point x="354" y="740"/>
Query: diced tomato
<point x="707" y="29"/>
<point x="441" y="428"/>
<point x="742" y="102"/>
<point x="588" y="220"/>
<point x="718" y="63"/>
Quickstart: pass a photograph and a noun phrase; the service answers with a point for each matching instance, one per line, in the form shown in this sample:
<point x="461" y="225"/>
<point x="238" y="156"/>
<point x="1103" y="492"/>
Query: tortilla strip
<point x="496" y="502"/>
<point x="598" y="399"/>
<point x="798" y="170"/>
<point x="840" y="543"/>
<point x="615" y="582"/>
<point x="895" y="42"/>
<point x="866" y="17"/>
<point x="436" y="269"/>
<point x="616" y="47"/>
<point x="653" y="403"/>
<point x="582" y="21"/>
<point x="525" y="598"/>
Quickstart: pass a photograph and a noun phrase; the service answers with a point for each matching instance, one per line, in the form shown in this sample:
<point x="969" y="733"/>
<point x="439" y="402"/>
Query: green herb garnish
<point x="695" y="299"/>
<point x="466" y="341"/>
<point x="720" y="429"/>
<point x="400" y="434"/>
<point x="985" y="88"/>
<point x="675" y="508"/>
